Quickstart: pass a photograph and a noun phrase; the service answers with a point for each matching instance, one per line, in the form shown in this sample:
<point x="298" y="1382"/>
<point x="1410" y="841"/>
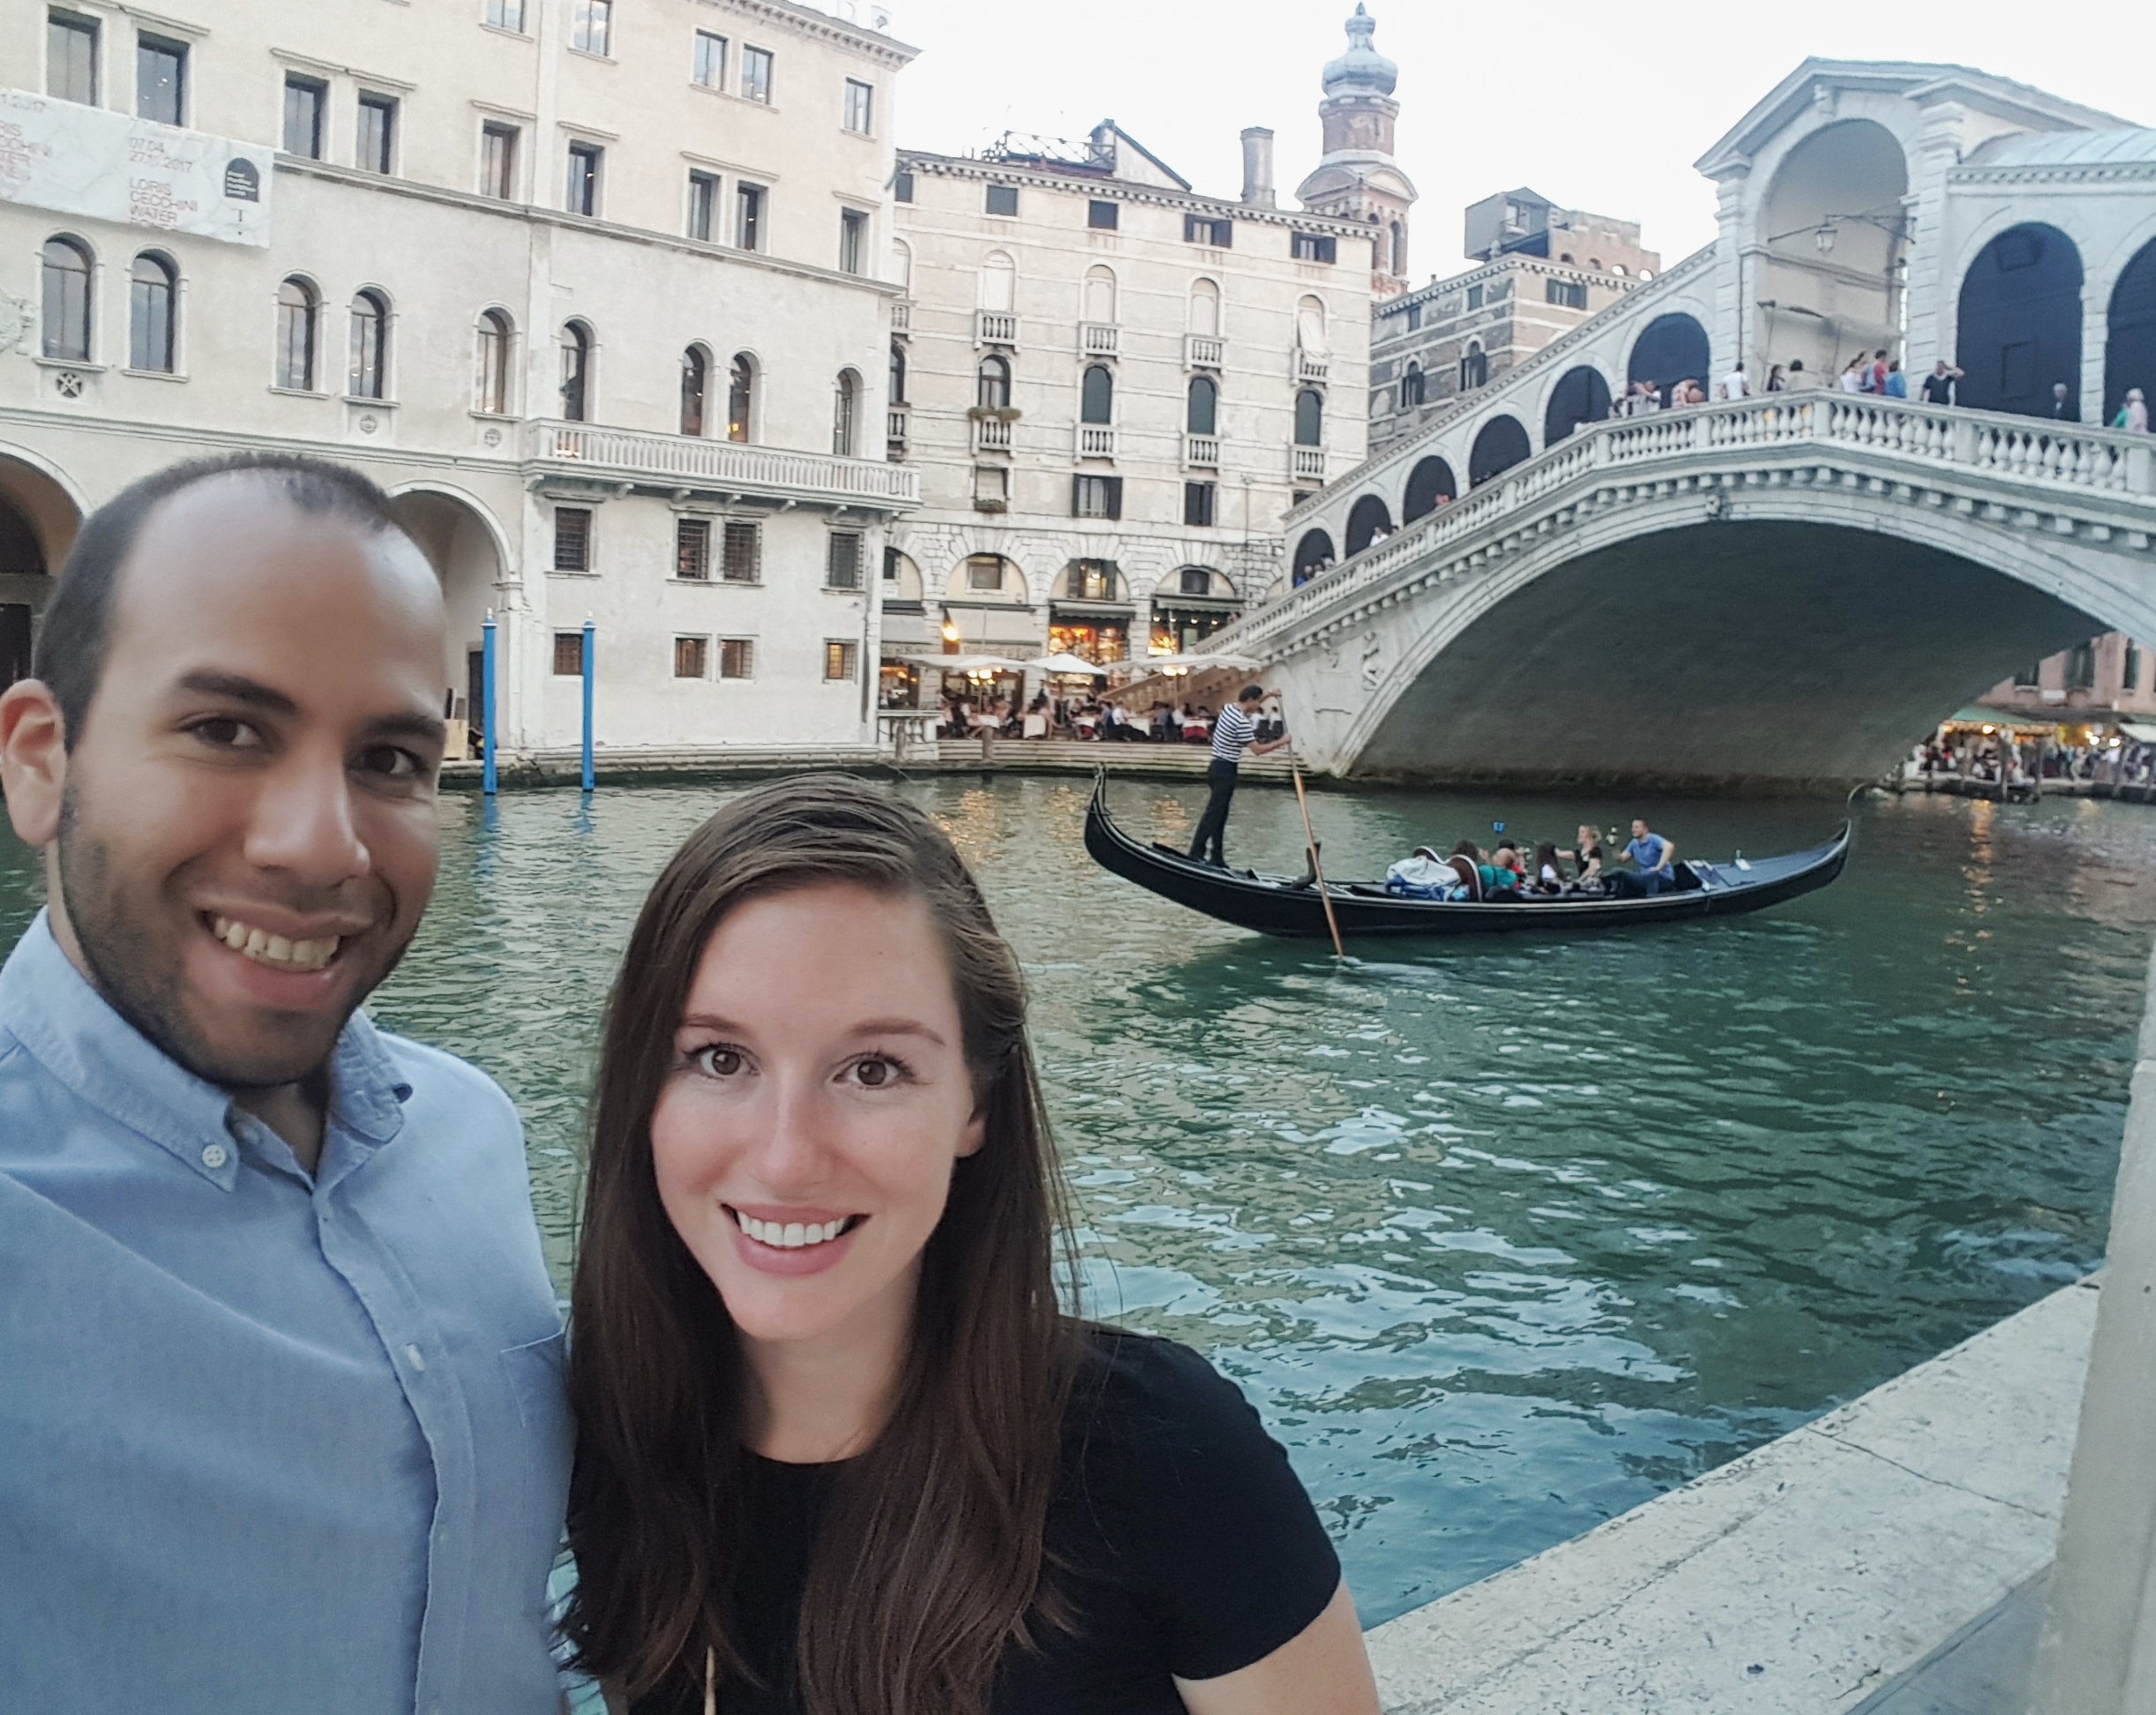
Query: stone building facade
<point x="590" y="288"/>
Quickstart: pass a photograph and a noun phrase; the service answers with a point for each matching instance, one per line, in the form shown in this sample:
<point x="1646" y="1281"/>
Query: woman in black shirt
<point x="840" y="1451"/>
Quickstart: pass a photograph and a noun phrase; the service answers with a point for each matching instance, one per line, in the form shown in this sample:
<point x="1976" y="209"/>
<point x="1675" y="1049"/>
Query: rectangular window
<point x="1313" y="247"/>
<point x="1103" y="216"/>
<point x="160" y="79"/>
<point x="2081" y="667"/>
<point x="2029" y="677"/>
<point x="1096" y="497"/>
<point x="756" y="74"/>
<point x="2130" y="674"/>
<point x="1002" y="200"/>
<point x="569" y="655"/>
<point x="1572" y="294"/>
<point x="742" y="552"/>
<point x="498" y="161"/>
<point x="860" y="105"/>
<point x="841" y="560"/>
<point x="852" y="240"/>
<point x="572" y="538"/>
<point x="1198" y="504"/>
<point x="691" y="657"/>
<point x="838" y="659"/>
<point x="1203" y="229"/>
<point x="692" y="548"/>
<point x="1414" y="316"/>
<point x="708" y="65"/>
<point x="902" y="187"/>
<point x="984" y="572"/>
<point x="591" y="26"/>
<point x="736" y="658"/>
<point x="377" y="132"/>
<point x="305" y="101"/>
<point x="1196" y="579"/>
<point x="748" y="215"/>
<point x="583" y="194"/>
<point x="703" y="205"/>
<point x="991" y="492"/>
<point x="1474" y="297"/>
<point x="70" y="58"/>
<point x="507" y="15"/>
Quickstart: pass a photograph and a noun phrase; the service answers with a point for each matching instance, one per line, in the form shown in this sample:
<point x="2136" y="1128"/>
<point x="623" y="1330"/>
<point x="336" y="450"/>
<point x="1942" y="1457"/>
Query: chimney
<point x="1258" y="168"/>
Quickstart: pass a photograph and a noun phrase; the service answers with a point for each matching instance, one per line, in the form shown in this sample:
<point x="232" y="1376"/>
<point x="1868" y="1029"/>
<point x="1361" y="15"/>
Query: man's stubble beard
<point x="124" y="955"/>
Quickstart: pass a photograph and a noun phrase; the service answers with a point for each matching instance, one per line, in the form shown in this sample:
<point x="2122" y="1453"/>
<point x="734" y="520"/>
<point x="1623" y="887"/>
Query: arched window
<point x="1474" y="367"/>
<point x="1429" y="486"/>
<point x="902" y="263"/>
<point x="1411" y="387"/>
<point x="1309" y="418"/>
<point x="993" y="390"/>
<point x="695" y="381"/>
<point x="1097" y="395"/>
<point x="369" y="368"/>
<point x="1310" y="325"/>
<point x="1205" y="309"/>
<point x="845" y="406"/>
<point x="298" y="309"/>
<point x="740" y="398"/>
<point x="1501" y="443"/>
<point x="1369" y="521"/>
<point x="576" y="372"/>
<point x="1313" y="554"/>
<point x="152" y="313"/>
<point x="1399" y="248"/>
<point x="1580" y="396"/>
<point x="491" y="367"/>
<point x="67" y="300"/>
<point x="898" y="373"/>
<point x="999" y="282"/>
<point x="1204" y="413"/>
<point x="1100" y="295"/>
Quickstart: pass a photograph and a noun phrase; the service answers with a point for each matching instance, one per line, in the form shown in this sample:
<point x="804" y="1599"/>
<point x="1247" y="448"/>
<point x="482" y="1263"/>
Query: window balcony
<point x="995" y="327"/>
<point x="1202" y="451"/>
<point x="1097" y="339"/>
<point x="1204" y="351"/>
<point x="669" y="464"/>
<point x="1311" y="365"/>
<point x="991" y="434"/>
<point x="901" y="315"/>
<point x="1307" y="464"/>
<point x="1096" y="440"/>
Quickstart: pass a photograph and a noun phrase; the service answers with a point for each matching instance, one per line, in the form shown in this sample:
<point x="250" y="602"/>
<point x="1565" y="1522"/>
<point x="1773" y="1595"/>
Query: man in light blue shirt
<point x="1654" y="857"/>
<point x="281" y="1425"/>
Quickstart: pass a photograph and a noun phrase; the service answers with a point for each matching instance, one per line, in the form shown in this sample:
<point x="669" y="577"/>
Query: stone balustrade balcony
<point x="1098" y="339"/>
<point x="726" y="470"/>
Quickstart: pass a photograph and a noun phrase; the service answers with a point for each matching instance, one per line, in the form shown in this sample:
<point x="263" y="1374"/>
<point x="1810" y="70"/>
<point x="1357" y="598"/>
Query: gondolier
<point x="1235" y="733"/>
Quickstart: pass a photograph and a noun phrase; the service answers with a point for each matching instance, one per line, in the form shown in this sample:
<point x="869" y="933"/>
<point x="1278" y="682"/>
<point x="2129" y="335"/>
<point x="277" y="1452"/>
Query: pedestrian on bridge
<point x="2134" y="414"/>
<point x="1939" y="385"/>
<point x="2064" y="407"/>
<point x="1734" y="385"/>
<point x="1233" y="732"/>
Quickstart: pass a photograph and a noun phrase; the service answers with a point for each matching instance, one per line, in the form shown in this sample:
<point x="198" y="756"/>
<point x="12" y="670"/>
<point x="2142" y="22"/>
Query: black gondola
<point x="1281" y="905"/>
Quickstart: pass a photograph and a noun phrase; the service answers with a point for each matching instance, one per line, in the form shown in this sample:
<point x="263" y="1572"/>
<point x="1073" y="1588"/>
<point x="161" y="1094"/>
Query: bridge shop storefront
<point x="1091" y="613"/>
<point x="1188" y="607"/>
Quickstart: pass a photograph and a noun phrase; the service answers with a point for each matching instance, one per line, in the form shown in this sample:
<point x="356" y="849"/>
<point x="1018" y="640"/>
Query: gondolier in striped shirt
<point x="1233" y="733"/>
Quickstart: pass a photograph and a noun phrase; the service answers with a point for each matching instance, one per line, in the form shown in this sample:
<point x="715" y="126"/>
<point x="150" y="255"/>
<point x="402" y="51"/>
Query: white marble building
<point x="589" y="286"/>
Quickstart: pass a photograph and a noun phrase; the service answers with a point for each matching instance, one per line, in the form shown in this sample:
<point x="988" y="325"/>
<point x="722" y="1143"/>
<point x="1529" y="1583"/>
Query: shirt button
<point x="214" y="1155"/>
<point x="416" y="1359"/>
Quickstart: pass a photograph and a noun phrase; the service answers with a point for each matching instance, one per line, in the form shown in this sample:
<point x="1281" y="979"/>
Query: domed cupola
<point x="1362" y="68"/>
<point x="1357" y="179"/>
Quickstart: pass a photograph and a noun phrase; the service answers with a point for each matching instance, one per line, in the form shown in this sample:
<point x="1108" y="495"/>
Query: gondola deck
<point x="1281" y="905"/>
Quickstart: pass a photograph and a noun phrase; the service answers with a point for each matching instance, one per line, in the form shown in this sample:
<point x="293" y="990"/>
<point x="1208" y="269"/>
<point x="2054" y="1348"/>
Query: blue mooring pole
<point x="486" y="704"/>
<point x="587" y="775"/>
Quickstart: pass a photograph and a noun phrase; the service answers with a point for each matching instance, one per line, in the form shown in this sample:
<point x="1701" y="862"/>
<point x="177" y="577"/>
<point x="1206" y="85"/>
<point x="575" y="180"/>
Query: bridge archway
<point x="1581" y="395"/>
<point x="2018" y="328"/>
<point x="38" y="520"/>
<point x="1313" y="554"/>
<point x="1499" y="444"/>
<point x="465" y="546"/>
<point x="1670" y="349"/>
<point x="1430" y="483"/>
<point x="1830" y="247"/>
<point x="1368" y="520"/>
<point x="2130" y="340"/>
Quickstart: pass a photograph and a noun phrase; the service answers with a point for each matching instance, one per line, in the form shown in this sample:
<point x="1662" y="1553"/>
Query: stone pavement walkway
<point x="1983" y="1669"/>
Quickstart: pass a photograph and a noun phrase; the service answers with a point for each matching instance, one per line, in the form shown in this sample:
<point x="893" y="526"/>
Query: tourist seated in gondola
<point x="1424" y="875"/>
<point x="1503" y="874"/>
<point x="1654" y="859"/>
<point x="1548" y="880"/>
<point x="1586" y="860"/>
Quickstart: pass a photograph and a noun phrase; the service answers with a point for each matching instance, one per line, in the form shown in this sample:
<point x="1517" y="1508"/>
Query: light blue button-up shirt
<point x="269" y="1444"/>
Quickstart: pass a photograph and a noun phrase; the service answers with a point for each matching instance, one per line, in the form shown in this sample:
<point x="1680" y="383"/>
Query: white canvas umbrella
<point x="1067" y="663"/>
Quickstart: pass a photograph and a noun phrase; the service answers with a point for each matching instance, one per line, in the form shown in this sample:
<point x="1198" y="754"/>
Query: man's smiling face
<point x="246" y="825"/>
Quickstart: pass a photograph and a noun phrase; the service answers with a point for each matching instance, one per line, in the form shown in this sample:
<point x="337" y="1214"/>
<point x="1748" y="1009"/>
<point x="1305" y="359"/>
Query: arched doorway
<point x="461" y="546"/>
<point x="1827" y="276"/>
<point x="1501" y="443"/>
<point x="2130" y="340"/>
<point x="38" y="521"/>
<point x="1313" y="554"/>
<point x="2019" y="331"/>
<point x="1671" y="349"/>
<point x="1429" y="485"/>
<point x="1581" y="396"/>
<point x="1368" y="520"/>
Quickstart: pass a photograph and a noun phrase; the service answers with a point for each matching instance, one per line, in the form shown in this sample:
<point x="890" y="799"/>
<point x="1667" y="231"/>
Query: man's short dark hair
<point x="77" y="628"/>
<point x="1252" y="693"/>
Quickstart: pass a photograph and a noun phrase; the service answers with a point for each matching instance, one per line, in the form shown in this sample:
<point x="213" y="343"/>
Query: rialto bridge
<point x="1795" y="587"/>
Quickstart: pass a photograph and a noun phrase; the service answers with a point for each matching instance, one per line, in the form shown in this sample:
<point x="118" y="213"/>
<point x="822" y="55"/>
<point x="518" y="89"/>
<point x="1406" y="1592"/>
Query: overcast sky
<point x="1601" y="106"/>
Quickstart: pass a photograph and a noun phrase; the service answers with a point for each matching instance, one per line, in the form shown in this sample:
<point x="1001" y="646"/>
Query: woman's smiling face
<point x="819" y="1096"/>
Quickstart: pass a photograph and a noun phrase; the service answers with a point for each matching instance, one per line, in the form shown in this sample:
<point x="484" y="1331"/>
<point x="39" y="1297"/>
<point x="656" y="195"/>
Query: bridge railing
<point x="2022" y="449"/>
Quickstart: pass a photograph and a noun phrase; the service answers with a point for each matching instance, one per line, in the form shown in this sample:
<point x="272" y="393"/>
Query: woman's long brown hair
<point x="930" y="1559"/>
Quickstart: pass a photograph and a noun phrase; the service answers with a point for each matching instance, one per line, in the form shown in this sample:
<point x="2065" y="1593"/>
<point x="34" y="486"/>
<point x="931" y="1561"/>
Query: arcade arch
<point x="1313" y="554"/>
<point x="2017" y="329"/>
<point x="38" y="521"/>
<point x="1429" y="485"/>
<point x="1501" y="443"/>
<point x="1581" y="395"/>
<point x="465" y="547"/>
<point x="1670" y="349"/>
<point x="1832" y="247"/>
<point x="2130" y="340"/>
<point x="1368" y="520"/>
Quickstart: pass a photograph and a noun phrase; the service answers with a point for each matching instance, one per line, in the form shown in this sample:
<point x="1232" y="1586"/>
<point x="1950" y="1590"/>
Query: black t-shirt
<point x="1938" y="390"/>
<point x="1188" y="1546"/>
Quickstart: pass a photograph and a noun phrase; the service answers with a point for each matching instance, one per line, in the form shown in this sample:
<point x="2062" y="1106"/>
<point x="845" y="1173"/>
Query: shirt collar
<point x="51" y="1009"/>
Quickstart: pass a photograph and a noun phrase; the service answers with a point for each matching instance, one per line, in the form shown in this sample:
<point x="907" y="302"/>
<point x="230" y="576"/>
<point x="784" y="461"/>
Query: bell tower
<point x="1358" y="179"/>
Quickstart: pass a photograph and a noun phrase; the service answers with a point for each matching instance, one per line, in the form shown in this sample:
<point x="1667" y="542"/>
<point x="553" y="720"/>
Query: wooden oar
<point x="1317" y="870"/>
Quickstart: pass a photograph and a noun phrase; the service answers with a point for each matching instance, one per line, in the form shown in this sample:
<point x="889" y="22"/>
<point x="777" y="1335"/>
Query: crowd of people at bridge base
<point x="1505" y="875"/>
<point x="2018" y="766"/>
<point x="1089" y="716"/>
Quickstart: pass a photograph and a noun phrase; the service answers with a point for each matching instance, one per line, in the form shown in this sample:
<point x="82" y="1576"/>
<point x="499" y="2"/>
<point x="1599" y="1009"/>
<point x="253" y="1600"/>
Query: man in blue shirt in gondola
<point x="1655" y="859"/>
<point x="281" y="1426"/>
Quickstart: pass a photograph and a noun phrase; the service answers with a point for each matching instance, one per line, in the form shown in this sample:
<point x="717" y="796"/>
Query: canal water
<point x="1502" y="1238"/>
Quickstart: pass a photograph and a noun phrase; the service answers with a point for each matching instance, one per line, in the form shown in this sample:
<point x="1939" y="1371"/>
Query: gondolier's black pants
<point x="1213" y="825"/>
